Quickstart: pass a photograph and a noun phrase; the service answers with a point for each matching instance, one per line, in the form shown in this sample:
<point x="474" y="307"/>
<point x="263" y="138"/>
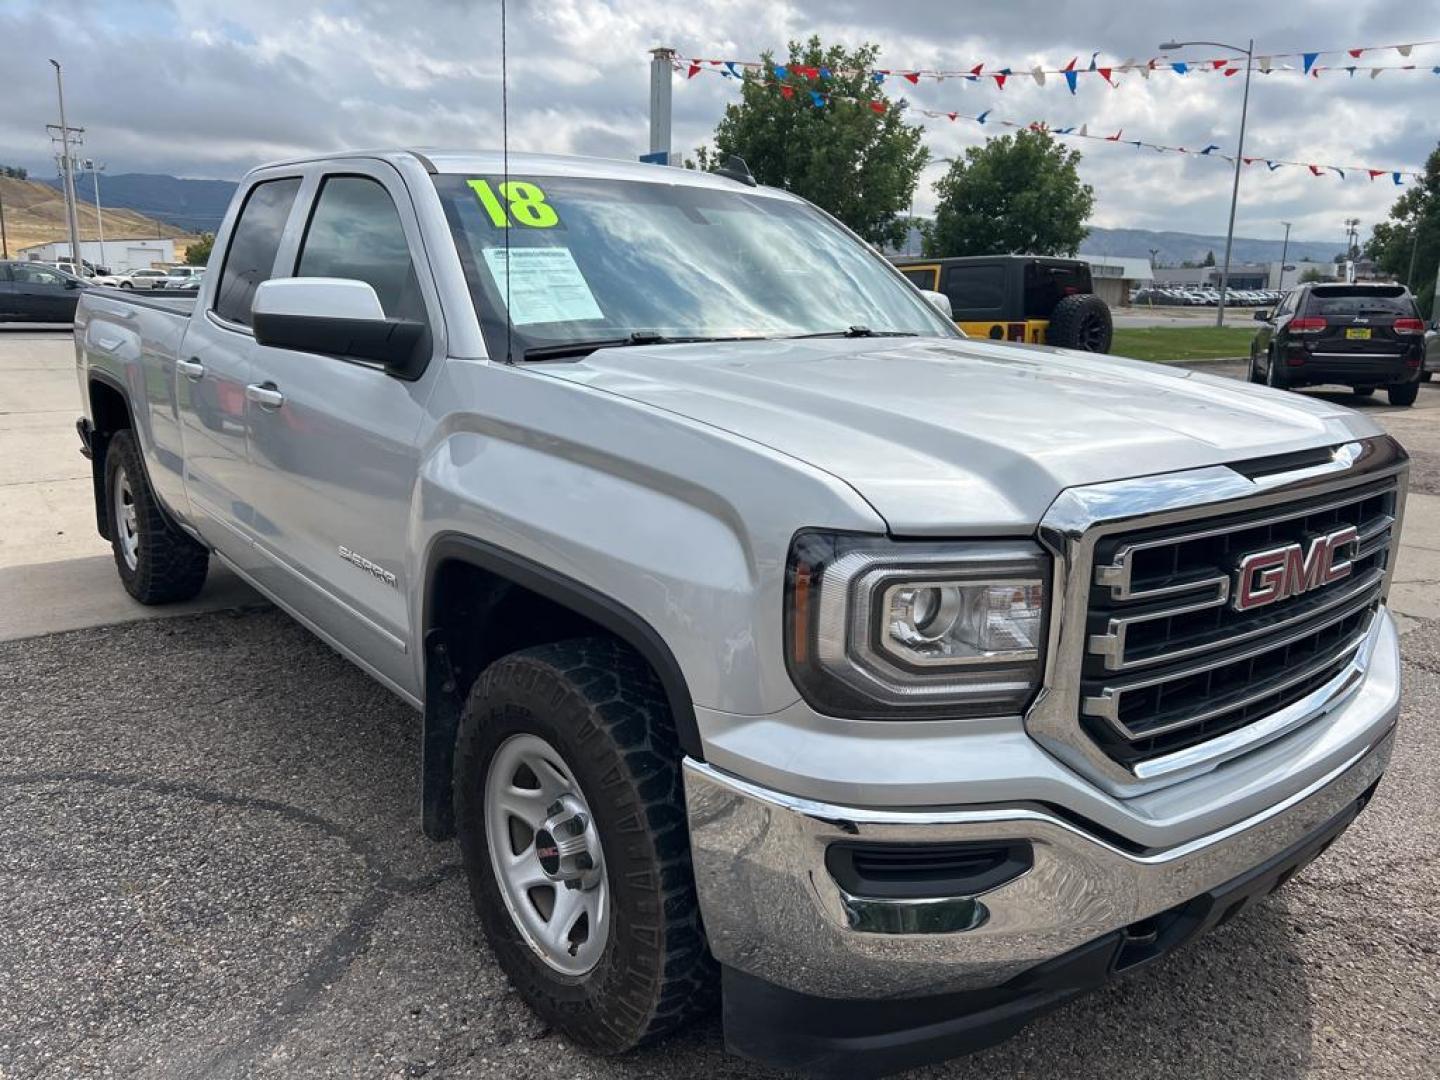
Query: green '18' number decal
<point x="527" y="204"/>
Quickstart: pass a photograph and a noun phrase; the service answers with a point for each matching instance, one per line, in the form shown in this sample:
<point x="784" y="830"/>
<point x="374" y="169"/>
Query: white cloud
<point x="206" y="88"/>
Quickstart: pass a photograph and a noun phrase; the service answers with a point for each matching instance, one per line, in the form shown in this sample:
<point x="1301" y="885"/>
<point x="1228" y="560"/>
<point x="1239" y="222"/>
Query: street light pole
<point x="69" y="170"/>
<point x="99" y="221"/>
<point x="1284" y="250"/>
<point x="1249" y="52"/>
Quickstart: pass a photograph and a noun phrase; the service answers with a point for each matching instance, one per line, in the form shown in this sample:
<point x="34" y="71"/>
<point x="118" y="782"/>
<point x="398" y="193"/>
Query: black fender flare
<point x="96" y="444"/>
<point x="443" y="701"/>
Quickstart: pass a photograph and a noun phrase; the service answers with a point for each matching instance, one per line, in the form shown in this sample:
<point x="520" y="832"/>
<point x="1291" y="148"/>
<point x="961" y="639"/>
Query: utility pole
<point x="4" y="243"/>
<point x="661" y="74"/>
<point x="1414" y="248"/>
<point x="1284" y="250"/>
<point x="69" y="170"/>
<point x="1352" y="236"/>
<point x="99" y="221"/>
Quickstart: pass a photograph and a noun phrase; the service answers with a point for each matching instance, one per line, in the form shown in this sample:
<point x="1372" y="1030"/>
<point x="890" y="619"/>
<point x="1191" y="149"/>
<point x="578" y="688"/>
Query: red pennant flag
<point x="1071" y="65"/>
<point x="999" y="78"/>
<point x="1315" y="169"/>
<point x="1248" y="160"/>
<point x="1375" y="172"/>
<point x="877" y="106"/>
<point x="913" y="76"/>
<point x="693" y="70"/>
<point x="808" y="72"/>
<point x="977" y="69"/>
<point x="787" y="91"/>
<point x="1315" y="73"/>
<point x="952" y="115"/>
<point x="1105" y="74"/>
<point x="1115" y="137"/>
<point x="1356" y="53"/>
<point x="1231" y="71"/>
<point x="1218" y="64"/>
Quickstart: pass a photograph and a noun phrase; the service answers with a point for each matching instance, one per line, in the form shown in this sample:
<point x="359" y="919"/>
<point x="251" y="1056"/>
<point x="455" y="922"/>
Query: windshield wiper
<point x="858" y="331"/>
<point x="639" y="337"/>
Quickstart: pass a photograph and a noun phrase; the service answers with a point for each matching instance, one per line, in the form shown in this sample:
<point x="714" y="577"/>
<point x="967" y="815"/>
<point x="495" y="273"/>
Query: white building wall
<point x="119" y="254"/>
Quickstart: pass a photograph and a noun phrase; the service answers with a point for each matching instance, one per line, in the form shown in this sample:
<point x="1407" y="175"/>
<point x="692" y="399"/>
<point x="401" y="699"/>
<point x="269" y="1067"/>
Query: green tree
<point x="198" y="253"/>
<point x="1017" y="193"/>
<point x="1209" y="259"/>
<point x="1314" y="273"/>
<point x="852" y="153"/>
<point x="1413" y="228"/>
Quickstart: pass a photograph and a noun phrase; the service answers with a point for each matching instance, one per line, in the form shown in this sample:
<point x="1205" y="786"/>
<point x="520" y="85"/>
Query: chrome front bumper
<point x="772" y="910"/>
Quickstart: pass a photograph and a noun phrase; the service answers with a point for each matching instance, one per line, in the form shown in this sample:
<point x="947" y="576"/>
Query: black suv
<point x="1362" y="336"/>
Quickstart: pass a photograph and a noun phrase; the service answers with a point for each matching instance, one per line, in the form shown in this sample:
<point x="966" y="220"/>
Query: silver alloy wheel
<point x="127" y="529"/>
<point x="545" y="852"/>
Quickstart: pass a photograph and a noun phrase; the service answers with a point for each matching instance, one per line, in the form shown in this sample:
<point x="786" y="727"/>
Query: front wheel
<point x="570" y="811"/>
<point x="1403" y="393"/>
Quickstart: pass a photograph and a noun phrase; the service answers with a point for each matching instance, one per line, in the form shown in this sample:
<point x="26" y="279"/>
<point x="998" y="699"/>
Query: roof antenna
<point x="736" y="169"/>
<point x="505" y="176"/>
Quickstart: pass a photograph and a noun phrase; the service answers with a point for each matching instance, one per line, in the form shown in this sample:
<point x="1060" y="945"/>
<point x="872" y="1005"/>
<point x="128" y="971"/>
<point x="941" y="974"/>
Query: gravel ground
<point x="211" y="867"/>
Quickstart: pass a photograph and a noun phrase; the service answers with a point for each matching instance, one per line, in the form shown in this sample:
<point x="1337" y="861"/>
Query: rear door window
<point x="922" y="277"/>
<point x="254" y="243"/>
<point x="975" y="291"/>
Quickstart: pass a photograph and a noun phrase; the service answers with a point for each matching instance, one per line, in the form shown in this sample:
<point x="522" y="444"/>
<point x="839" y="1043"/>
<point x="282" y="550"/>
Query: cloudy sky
<point x="208" y="89"/>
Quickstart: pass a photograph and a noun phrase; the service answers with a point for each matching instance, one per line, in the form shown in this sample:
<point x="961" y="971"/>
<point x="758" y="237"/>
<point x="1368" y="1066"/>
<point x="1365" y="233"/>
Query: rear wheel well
<point x="483" y="604"/>
<point x="109" y="413"/>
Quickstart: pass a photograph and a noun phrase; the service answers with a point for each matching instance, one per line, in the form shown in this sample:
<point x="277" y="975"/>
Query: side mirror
<point x="1261" y="315"/>
<point x="940" y="302"/>
<point x="337" y="317"/>
<point x="73" y="283"/>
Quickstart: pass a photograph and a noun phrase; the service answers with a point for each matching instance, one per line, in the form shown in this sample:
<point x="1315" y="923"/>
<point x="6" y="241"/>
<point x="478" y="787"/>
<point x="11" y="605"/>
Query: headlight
<point x="876" y="627"/>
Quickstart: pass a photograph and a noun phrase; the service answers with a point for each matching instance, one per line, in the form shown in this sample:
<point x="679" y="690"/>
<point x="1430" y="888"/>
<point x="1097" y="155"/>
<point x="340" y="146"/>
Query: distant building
<point x="1115" y="278"/>
<point x="119" y="254"/>
<point x="1247" y="275"/>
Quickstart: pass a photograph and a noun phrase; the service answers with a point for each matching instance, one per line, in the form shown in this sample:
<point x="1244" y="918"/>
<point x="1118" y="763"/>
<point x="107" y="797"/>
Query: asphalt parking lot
<point x="210" y="862"/>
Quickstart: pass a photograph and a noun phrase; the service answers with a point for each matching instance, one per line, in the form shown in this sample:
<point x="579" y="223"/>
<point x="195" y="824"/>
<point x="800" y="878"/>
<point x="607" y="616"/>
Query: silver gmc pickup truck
<point x="774" y="642"/>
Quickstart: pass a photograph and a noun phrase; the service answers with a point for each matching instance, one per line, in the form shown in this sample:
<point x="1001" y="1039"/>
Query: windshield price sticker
<point x="524" y="204"/>
<point x="545" y="285"/>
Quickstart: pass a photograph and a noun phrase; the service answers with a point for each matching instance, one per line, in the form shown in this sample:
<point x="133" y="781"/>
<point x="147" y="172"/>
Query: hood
<point x="946" y="436"/>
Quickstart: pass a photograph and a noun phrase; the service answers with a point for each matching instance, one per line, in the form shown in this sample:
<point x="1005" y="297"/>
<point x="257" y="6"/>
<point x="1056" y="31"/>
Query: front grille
<point x="1171" y="663"/>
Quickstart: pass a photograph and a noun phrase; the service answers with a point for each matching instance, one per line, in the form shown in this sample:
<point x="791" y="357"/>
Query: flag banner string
<point x="1228" y="66"/>
<point x="820" y="100"/>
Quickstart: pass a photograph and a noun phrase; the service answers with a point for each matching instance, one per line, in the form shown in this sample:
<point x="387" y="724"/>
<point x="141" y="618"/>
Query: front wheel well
<point x="483" y="603"/>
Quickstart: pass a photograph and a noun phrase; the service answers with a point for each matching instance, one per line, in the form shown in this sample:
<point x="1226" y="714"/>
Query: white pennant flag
<point x="1039" y="73"/>
<point x="1404" y="50"/>
<point x="1265" y="64"/>
<point x="1084" y="130"/>
<point x="1128" y="65"/>
<point x="1375" y="72"/>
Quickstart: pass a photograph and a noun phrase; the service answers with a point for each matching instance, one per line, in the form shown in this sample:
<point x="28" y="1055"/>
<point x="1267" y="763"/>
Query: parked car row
<point x="33" y="291"/>
<point x="1204" y="296"/>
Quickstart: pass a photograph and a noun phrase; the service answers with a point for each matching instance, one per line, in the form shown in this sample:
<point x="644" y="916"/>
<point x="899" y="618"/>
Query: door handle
<point x="265" y="395"/>
<point x="192" y="368"/>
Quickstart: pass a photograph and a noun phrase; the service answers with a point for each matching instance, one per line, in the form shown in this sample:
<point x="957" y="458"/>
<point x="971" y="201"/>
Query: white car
<point x="148" y="278"/>
<point x="183" y="277"/>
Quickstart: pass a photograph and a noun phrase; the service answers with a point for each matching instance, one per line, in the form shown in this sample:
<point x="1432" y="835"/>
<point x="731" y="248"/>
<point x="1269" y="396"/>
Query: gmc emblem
<point x="1267" y="577"/>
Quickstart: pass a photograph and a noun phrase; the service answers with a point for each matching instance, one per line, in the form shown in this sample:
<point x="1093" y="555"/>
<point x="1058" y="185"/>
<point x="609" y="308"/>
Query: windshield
<point x="597" y="260"/>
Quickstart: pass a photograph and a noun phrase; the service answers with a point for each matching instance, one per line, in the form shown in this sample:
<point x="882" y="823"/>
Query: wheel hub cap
<point x="546" y="855"/>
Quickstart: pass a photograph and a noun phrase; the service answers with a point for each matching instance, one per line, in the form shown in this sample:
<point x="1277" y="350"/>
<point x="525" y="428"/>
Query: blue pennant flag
<point x="1273" y="165"/>
<point x="878" y="76"/>
<point x="1397" y="178"/>
<point x="1071" y="78"/>
<point x="1337" y="169"/>
<point x="1180" y="67"/>
<point x="731" y="65"/>
<point x="780" y="72"/>
<point x="1093" y="55"/>
<point x="1350" y="68"/>
<point x="1212" y="147"/>
<point x="981" y="118"/>
<point x="816" y="98"/>
<point x="1064" y="131"/>
<point x="1310" y="58"/>
<point x="824" y="73"/>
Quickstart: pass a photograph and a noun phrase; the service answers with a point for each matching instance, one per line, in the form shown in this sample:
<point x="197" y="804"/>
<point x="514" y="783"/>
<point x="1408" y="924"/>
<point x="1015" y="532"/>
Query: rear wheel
<point x="158" y="562"/>
<point x="1081" y="322"/>
<point x="1253" y="373"/>
<point x="1403" y="393"/>
<point x="1274" y="377"/>
<point x="570" y="812"/>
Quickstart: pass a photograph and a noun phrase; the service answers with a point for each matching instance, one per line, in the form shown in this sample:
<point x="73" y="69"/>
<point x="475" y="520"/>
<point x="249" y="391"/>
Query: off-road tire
<point x="1362" y="391"/>
<point x="1081" y="322"/>
<point x="170" y="565"/>
<point x="1403" y="393"/>
<point x="603" y="710"/>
